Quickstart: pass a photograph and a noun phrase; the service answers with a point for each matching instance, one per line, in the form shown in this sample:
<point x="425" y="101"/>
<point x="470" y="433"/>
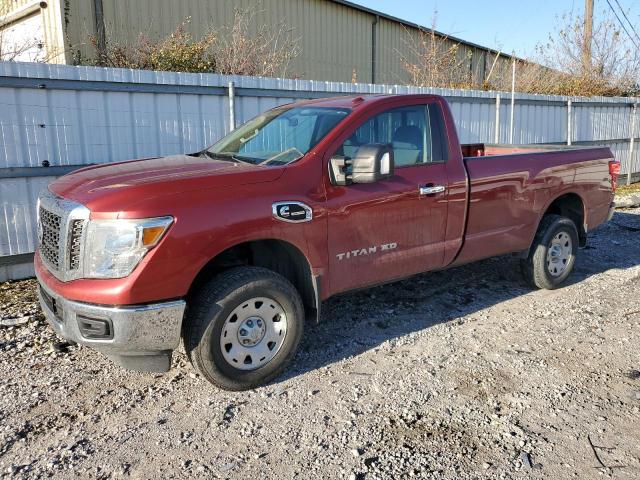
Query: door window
<point x="416" y="134"/>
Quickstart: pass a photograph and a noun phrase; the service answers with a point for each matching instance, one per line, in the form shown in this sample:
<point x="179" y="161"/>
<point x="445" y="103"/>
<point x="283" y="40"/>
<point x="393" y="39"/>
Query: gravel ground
<point x="465" y="373"/>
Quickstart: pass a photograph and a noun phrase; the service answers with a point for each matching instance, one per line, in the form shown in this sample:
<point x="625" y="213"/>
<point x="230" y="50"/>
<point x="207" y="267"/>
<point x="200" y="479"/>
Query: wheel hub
<point x="559" y="254"/>
<point x="251" y="331"/>
<point x="556" y="253"/>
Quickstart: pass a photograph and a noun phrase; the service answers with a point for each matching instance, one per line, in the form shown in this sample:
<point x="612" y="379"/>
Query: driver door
<point x="395" y="227"/>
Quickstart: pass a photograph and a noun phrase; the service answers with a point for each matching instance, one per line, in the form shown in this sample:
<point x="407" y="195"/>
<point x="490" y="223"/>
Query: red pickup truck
<point x="232" y="248"/>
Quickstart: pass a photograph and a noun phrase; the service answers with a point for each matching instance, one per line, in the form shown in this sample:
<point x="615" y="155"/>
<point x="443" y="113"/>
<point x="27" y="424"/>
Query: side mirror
<point x="372" y="163"/>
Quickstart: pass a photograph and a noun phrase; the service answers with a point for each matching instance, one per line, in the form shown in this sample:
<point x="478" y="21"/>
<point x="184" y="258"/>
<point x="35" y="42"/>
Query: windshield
<point x="278" y="137"/>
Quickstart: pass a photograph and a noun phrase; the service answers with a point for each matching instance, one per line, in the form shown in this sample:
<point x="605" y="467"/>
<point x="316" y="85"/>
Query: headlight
<point x="114" y="248"/>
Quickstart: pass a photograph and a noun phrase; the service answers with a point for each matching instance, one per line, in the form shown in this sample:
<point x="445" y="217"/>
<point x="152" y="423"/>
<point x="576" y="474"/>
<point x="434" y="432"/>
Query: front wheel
<point x="552" y="254"/>
<point x="244" y="327"/>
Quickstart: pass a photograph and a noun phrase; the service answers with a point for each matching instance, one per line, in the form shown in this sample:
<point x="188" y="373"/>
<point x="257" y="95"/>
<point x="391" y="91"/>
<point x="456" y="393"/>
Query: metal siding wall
<point x="15" y="4"/>
<point x="78" y="126"/>
<point x="18" y="197"/>
<point x="334" y="39"/>
<point x="602" y="122"/>
<point x="479" y="65"/>
<point x="392" y="39"/>
<point x="54" y="34"/>
<point x="78" y="25"/>
<point x="51" y="19"/>
<point x="475" y="121"/>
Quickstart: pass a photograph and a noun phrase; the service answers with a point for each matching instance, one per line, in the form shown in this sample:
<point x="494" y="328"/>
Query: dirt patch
<point x="628" y="189"/>
<point x="465" y="373"/>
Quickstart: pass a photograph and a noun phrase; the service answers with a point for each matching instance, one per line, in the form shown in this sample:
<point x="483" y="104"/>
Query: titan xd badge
<point x="361" y="252"/>
<point x="293" y="212"/>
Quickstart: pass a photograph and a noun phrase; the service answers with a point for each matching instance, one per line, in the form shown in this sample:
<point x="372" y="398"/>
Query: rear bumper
<point x="139" y="337"/>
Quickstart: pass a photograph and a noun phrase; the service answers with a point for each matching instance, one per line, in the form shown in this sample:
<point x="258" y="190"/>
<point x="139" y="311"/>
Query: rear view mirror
<point x="373" y="162"/>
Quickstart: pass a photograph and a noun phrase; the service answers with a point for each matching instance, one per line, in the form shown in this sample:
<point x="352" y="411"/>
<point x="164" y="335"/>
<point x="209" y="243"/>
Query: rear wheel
<point x="244" y="327"/>
<point x="552" y="254"/>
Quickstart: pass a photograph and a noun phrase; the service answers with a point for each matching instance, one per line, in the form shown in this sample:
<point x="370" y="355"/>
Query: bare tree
<point x="268" y="53"/>
<point x="233" y="50"/>
<point x="558" y="65"/>
<point x="433" y="60"/>
<point x="614" y="67"/>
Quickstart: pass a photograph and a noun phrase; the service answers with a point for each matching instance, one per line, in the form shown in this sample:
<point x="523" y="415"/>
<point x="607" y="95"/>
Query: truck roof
<point x="353" y="101"/>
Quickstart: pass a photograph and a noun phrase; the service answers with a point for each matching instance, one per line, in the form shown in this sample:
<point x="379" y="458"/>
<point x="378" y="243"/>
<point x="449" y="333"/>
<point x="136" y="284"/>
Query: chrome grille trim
<point x="61" y="249"/>
<point x="75" y="243"/>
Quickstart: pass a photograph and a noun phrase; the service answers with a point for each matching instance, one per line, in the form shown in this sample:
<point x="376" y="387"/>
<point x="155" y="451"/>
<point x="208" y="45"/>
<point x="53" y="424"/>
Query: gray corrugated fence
<point x="65" y="116"/>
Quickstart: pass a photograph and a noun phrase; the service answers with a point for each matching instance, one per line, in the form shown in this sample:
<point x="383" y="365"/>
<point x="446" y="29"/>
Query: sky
<point x="512" y="26"/>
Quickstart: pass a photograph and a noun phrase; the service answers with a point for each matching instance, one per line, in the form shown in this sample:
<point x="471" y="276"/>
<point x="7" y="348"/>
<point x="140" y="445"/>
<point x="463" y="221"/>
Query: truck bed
<point x="495" y="149"/>
<point x="512" y="185"/>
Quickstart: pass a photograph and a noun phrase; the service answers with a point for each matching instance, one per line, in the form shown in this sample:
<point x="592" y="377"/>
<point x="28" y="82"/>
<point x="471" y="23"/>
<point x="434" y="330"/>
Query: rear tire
<point x="552" y="254"/>
<point x="243" y="328"/>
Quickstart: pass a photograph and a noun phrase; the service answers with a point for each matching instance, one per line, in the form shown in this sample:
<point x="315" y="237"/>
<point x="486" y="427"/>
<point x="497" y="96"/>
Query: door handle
<point x="431" y="189"/>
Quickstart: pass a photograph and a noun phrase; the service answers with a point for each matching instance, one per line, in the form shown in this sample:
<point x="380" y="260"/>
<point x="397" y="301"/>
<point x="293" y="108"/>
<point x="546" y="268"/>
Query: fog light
<point x="95" y="328"/>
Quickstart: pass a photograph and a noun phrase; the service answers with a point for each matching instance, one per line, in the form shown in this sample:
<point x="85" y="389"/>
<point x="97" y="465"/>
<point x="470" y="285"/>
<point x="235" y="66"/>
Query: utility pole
<point x="588" y="33"/>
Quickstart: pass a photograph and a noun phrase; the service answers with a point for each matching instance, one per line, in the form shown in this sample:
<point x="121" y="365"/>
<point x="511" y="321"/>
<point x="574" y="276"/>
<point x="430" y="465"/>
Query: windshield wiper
<point x="281" y="158"/>
<point x="227" y="156"/>
<point x="243" y="159"/>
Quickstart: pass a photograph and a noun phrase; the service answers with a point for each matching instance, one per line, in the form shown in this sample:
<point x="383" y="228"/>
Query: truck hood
<point x="111" y="187"/>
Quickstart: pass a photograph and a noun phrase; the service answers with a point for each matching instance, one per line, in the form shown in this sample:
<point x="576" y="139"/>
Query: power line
<point x="622" y="25"/>
<point x="627" y="18"/>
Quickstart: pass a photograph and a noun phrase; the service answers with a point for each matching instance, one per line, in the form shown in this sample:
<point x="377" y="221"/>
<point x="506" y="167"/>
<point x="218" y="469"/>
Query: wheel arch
<point x="274" y="254"/>
<point x="567" y="204"/>
<point x="572" y="206"/>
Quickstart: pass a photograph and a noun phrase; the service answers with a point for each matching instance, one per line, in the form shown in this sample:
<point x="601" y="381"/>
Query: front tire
<point x="243" y="328"/>
<point x="552" y="255"/>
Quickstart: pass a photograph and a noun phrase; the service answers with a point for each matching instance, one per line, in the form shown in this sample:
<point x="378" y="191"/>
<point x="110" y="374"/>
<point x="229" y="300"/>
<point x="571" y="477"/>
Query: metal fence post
<point x="569" y="132"/>
<point x="232" y="107"/>
<point x="632" y="139"/>
<point x="496" y="136"/>
<point x="513" y="100"/>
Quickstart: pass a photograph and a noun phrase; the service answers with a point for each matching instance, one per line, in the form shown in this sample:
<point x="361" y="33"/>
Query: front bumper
<point x="139" y="337"/>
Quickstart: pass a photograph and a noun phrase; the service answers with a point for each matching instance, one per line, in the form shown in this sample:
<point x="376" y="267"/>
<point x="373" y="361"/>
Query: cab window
<point x="416" y="134"/>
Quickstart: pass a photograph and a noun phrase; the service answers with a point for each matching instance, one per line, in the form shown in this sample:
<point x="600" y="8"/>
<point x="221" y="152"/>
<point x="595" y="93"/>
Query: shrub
<point x="232" y="50"/>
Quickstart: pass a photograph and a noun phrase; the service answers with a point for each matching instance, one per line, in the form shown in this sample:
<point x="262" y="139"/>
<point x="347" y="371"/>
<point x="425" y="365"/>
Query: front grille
<point x="75" y="239"/>
<point x="61" y="231"/>
<point x="50" y="224"/>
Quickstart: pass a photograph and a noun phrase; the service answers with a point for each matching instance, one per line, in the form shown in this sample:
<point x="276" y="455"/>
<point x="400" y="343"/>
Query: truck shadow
<point x="356" y="322"/>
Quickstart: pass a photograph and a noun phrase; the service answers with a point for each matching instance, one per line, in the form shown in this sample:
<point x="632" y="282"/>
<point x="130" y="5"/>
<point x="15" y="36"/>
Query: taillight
<point x="614" y="171"/>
